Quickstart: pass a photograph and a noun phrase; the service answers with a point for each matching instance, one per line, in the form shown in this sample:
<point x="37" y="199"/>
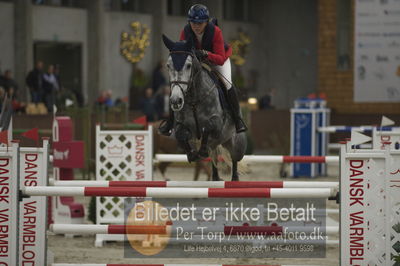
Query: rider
<point x="210" y="46"/>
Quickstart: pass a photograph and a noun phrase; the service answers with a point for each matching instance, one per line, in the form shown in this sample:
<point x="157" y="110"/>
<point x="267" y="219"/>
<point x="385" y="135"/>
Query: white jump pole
<point x="194" y="184"/>
<point x="259" y="158"/>
<point x="167" y="229"/>
<point x="334" y="129"/>
<point x="181" y="193"/>
<point x="197" y="239"/>
<point x="336" y="146"/>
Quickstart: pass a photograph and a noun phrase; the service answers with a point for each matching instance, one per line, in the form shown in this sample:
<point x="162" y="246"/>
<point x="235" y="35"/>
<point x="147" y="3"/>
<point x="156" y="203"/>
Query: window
<point x="129" y="5"/>
<point x="238" y="10"/>
<point x="65" y="3"/>
<point x="343" y="37"/>
<point x="181" y="7"/>
<point x="126" y="5"/>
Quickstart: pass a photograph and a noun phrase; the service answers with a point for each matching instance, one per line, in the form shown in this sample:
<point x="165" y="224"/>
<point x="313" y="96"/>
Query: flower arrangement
<point x="133" y="45"/>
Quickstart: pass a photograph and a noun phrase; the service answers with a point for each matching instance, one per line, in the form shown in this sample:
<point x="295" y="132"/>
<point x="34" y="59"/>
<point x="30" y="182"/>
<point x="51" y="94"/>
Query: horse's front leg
<point x="235" y="175"/>
<point x="211" y="128"/>
<point x="203" y="151"/>
<point x="215" y="174"/>
<point x="183" y="135"/>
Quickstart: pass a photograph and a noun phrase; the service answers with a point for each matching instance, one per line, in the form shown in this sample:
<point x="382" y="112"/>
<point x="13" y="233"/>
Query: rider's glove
<point x="201" y="54"/>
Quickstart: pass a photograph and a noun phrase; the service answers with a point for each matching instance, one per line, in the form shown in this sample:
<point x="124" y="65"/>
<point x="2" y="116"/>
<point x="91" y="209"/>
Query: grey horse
<point x="198" y="112"/>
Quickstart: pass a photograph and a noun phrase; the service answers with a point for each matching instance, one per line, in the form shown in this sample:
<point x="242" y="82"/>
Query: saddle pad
<point x="219" y="84"/>
<point x="222" y="98"/>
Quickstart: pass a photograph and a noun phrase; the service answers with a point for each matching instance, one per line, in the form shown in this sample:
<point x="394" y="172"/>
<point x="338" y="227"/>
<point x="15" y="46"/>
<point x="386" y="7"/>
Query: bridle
<point x="192" y="77"/>
<point x="190" y="90"/>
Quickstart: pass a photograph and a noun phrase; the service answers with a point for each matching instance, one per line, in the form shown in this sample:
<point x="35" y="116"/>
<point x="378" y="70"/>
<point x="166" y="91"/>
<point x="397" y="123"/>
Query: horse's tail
<point x="223" y="157"/>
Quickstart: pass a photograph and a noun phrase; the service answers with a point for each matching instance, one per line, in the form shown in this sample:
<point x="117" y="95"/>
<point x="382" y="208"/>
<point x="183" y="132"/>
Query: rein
<point x="190" y="91"/>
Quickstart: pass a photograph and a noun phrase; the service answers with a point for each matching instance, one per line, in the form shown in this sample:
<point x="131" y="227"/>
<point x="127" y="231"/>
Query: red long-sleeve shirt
<point x="218" y="55"/>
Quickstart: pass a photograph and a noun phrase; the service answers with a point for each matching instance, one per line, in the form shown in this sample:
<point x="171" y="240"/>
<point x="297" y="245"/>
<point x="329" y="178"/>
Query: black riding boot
<point x="235" y="108"/>
<point x="166" y="125"/>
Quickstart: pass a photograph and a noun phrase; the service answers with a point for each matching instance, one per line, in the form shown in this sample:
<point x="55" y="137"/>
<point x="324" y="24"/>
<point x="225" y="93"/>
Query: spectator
<point x="2" y="80"/>
<point x="34" y="81"/>
<point x="79" y="97"/>
<point x="62" y="94"/>
<point x="265" y="102"/>
<point x="147" y="105"/>
<point x="122" y="101"/>
<point x="101" y="99"/>
<point x="51" y="87"/>
<point x="158" y="78"/>
<point x="57" y="69"/>
<point x="109" y="102"/>
<point x="17" y="106"/>
<point x="162" y="103"/>
<point x="105" y="99"/>
<point x="68" y="91"/>
<point x="2" y="96"/>
<point x="7" y="82"/>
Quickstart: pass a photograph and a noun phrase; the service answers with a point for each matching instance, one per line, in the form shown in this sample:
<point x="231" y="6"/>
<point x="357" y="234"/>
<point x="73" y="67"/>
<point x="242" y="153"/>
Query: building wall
<point x="6" y="36"/>
<point x="338" y="84"/>
<point x="117" y="70"/>
<point x="290" y="33"/>
<point x="253" y="68"/>
<point x="172" y="27"/>
<point x="282" y="54"/>
<point x="62" y="25"/>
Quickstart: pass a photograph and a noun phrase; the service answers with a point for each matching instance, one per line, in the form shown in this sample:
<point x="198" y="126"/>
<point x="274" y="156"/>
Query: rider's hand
<point x="201" y="54"/>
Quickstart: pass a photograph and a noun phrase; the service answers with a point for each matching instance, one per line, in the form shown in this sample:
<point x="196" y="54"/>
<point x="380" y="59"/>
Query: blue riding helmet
<point x="198" y="13"/>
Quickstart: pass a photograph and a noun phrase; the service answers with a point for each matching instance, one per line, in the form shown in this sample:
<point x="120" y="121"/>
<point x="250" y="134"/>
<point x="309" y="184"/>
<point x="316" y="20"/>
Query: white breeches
<point x="225" y="71"/>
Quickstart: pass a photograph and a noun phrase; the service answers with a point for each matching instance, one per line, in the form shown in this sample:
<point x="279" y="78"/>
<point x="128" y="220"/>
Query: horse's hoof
<point x="203" y="153"/>
<point x="235" y="178"/>
<point x="193" y="156"/>
<point x="165" y="127"/>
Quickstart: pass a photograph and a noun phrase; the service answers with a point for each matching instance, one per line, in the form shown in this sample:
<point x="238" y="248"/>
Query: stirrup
<point x="165" y="128"/>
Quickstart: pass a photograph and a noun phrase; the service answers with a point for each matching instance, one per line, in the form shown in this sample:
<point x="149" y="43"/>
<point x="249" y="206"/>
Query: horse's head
<point x="181" y="65"/>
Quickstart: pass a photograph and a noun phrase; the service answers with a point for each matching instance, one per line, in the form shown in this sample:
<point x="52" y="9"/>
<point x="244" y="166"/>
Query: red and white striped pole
<point x="193" y="184"/>
<point x="108" y="264"/>
<point x="258" y="158"/>
<point x="156" y="192"/>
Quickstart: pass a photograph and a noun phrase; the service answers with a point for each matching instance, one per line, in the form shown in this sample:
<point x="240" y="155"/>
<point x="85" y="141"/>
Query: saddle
<point x="218" y="79"/>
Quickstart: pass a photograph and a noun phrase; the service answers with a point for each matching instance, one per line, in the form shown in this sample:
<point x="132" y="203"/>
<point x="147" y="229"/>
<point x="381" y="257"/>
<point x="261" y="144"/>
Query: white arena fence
<point x="375" y="172"/>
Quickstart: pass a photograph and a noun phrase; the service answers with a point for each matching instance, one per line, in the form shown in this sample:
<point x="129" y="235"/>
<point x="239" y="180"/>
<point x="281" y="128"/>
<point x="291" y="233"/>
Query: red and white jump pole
<point x="259" y="158"/>
<point x="167" y="229"/>
<point x="195" y="184"/>
<point x="108" y="264"/>
<point x="157" y="192"/>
